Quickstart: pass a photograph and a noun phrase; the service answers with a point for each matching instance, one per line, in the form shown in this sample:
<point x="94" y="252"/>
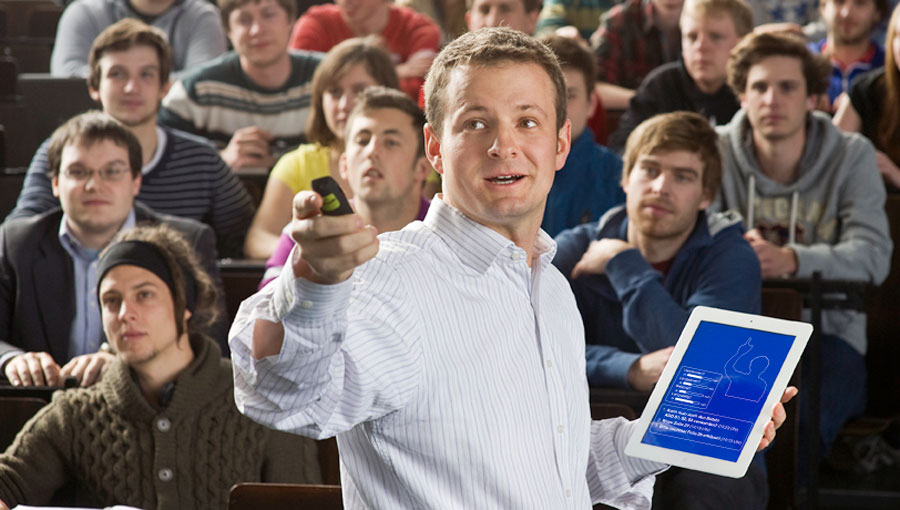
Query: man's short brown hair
<point x="529" y="5"/>
<point x="677" y="131"/>
<point x="359" y="50"/>
<point x="89" y="128"/>
<point x="124" y="35"/>
<point x="377" y="98"/>
<point x="573" y="55"/>
<point x="485" y="48"/>
<point x="179" y="258"/>
<point x="757" y="47"/>
<point x="226" y="6"/>
<point x="740" y="13"/>
<point x="882" y="6"/>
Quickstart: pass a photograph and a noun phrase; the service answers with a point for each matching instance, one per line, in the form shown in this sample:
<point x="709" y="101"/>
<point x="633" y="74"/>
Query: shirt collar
<point x="67" y="237"/>
<point x="161" y="139"/>
<point x="476" y="245"/>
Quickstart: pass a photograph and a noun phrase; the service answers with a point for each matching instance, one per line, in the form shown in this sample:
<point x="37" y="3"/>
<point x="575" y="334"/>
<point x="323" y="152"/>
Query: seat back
<point x="15" y="411"/>
<point x="42" y="21"/>
<point x="284" y="496"/>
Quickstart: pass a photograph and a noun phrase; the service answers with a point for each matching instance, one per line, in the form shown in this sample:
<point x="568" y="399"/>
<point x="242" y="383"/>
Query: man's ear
<point x="705" y="201"/>
<point x="421" y="169"/>
<point x="54" y="185"/>
<point x="433" y="149"/>
<point x="95" y="95"/>
<point x="563" y="144"/>
<point x="136" y="185"/>
<point x="164" y="89"/>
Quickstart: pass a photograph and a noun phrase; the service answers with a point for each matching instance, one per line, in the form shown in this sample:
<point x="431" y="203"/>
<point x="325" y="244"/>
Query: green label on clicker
<point x="330" y="202"/>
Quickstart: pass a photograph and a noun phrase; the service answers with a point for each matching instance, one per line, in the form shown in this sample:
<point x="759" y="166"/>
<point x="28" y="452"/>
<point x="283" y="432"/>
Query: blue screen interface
<point x="718" y="390"/>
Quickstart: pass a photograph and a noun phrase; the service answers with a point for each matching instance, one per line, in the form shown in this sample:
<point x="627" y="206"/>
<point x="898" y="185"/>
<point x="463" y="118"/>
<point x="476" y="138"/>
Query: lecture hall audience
<point x="276" y="104"/>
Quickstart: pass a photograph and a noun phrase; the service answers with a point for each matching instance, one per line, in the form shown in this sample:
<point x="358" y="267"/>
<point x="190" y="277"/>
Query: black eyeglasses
<point x="110" y="174"/>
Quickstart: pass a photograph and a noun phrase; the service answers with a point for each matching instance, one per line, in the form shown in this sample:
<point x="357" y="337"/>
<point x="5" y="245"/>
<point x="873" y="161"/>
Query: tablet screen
<point x="718" y="390"/>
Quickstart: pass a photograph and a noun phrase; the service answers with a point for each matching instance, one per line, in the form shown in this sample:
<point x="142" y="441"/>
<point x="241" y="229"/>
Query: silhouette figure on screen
<point x="746" y="385"/>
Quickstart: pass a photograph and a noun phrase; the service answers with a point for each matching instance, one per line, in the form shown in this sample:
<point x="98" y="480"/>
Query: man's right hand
<point x="645" y="371"/>
<point x="248" y="148"/>
<point x="330" y="247"/>
<point x="33" y="369"/>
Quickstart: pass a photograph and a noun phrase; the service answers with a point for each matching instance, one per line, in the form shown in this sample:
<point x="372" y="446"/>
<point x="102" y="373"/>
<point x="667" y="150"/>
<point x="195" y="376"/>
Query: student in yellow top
<point x="347" y="70"/>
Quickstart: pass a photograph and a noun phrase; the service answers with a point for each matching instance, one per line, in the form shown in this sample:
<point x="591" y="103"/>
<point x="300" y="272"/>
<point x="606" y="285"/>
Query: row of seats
<point x="39" y="105"/>
<point x="27" y="32"/>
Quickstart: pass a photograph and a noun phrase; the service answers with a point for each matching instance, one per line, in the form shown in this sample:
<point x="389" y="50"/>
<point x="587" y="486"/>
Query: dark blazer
<point x="37" y="296"/>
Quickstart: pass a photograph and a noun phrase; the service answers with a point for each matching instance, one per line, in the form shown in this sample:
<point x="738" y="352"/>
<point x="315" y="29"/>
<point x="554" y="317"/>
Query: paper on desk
<point x="29" y="507"/>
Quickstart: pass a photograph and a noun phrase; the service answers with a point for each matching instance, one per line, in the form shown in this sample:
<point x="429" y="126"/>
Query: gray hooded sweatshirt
<point x="832" y="215"/>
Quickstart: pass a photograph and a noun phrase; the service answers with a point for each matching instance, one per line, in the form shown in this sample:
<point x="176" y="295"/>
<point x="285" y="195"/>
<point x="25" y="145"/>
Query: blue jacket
<point x="633" y="309"/>
<point x="585" y="188"/>
<point x="841" y="79"/>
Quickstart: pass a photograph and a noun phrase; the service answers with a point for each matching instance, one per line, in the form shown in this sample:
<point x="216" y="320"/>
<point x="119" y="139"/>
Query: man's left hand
<point x="778" y="417"/>
<point x="598" y="255"/>
<point x="775" y="261"/>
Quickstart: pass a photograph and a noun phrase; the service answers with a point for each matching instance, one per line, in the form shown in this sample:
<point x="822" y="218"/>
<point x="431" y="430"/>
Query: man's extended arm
<point x="614" y="478"/>
<point x="319" y="358"/>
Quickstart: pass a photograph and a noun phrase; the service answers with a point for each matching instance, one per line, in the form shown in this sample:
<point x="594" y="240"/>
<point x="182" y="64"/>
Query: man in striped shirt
<point x="251" y="102"/>
<point x="447" y="357"/>
<point x="182" y="175"/>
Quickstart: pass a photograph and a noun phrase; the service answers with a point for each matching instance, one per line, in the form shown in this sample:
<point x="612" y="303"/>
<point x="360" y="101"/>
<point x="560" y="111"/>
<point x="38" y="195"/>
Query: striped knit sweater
<point x="190" y="180"/>
<point x="219" y="98"/>
<point x="117" y="449"/>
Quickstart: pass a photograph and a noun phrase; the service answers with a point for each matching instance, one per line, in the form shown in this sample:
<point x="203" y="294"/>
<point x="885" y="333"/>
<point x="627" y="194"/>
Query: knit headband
<point x="148" y="256"/>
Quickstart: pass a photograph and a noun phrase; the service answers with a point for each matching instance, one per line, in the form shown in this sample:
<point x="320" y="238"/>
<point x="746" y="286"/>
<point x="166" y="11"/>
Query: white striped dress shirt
<point x="451" y="372"/>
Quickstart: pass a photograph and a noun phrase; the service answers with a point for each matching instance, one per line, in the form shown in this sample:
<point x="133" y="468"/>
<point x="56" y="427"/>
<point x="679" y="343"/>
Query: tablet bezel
<point x="801" y="332"/>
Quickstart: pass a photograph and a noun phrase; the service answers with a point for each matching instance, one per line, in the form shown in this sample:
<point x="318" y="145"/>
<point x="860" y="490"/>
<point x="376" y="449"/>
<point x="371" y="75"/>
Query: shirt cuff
<point x="302" y="300"/>
<point x="635" y="469"/>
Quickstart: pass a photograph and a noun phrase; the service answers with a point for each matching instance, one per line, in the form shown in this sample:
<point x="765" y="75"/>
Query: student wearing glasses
<point x="50" y="324"/>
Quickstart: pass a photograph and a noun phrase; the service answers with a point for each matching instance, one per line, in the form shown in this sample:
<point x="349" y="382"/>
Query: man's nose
<point x="505" y="144"/>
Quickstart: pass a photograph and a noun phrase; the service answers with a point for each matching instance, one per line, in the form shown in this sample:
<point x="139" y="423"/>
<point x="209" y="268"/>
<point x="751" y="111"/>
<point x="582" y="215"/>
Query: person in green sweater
<point x="161" y="429"/>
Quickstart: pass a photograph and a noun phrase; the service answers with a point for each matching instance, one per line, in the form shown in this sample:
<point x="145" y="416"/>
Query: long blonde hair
<point x="888" y="134"/>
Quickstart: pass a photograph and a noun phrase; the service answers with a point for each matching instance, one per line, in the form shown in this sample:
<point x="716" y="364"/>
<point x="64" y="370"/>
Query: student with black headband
<point x="161" y="429"/>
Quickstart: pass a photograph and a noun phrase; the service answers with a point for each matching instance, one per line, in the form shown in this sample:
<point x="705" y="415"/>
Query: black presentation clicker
<point x="334" y="202"/>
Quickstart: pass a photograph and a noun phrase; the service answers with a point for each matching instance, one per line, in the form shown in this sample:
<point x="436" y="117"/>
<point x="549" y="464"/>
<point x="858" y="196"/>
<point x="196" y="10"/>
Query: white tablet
<point x="716" y="393"/>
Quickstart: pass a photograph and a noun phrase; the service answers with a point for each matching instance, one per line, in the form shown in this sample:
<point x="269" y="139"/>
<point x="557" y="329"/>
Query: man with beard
<point x="849" y="43"/>
<point x="181" y="175"/>
<point x="639" y="271"/>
